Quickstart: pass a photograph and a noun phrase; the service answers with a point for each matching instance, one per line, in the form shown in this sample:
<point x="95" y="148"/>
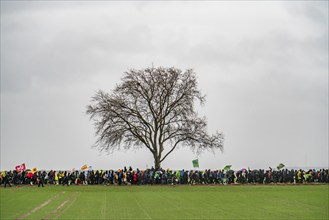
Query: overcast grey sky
<point x="262" y="65"/>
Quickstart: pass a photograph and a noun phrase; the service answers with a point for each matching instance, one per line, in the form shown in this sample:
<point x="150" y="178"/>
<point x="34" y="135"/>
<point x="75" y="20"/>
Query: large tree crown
<point x="152" y="107"/>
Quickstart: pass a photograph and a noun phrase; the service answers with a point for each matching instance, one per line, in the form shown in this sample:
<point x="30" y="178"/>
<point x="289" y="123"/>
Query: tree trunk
<point x="157" y="163"/>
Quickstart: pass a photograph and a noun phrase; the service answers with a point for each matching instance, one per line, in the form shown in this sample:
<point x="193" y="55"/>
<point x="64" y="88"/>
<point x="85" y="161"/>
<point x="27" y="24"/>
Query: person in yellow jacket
<point x="56" y="178"/>
<point x="116" y="177"/>
<point x="1" y="177"/>
<point x="60" y="177"/>
<point x="299" y="176"/>
<point x="124" y="178"/>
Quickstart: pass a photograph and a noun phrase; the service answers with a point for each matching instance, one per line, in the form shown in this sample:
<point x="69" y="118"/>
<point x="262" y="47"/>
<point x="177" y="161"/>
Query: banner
<point x="84" y="167"/>
<point x="195" y="163"/>
<point x="20" y="168"/>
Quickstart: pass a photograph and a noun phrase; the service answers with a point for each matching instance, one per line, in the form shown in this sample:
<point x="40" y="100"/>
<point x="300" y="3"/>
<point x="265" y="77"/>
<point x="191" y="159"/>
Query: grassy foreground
<point x="165" y="202"/>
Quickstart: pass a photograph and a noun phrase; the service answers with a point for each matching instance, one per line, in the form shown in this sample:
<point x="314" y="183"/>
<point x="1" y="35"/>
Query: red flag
<point x="20" y="168"/>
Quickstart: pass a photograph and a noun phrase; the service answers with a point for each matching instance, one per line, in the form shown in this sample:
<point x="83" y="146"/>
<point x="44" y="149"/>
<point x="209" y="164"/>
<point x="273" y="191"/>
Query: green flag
<point x="195" y="163"/>
<point x="227" y="167"/>
<point x="280" y="166"/>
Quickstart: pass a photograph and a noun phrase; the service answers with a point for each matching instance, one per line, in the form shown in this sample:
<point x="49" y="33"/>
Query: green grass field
<point x="166" y="202"/>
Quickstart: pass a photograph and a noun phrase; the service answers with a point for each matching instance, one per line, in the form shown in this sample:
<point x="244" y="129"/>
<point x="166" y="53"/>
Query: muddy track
<point x="39" y="207"/>
<point x="62" y="205"/>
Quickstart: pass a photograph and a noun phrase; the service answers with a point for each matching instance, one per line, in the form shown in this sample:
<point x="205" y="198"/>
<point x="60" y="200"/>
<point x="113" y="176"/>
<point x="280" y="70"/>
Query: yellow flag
<point x="34" y="170"/>
<point x="84" y="167"/>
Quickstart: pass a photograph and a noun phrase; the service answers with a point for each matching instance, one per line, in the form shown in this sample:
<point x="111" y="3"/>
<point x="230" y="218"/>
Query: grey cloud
<point x="262" y="65"/>
<point x="317" y="11"/>
<point x="65" y="48"/>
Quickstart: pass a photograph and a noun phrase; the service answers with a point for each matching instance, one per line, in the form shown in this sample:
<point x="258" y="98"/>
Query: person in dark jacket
<point x="66" y="178"/>
<point x="41" y="178"/>
<point x="7" y="178"/>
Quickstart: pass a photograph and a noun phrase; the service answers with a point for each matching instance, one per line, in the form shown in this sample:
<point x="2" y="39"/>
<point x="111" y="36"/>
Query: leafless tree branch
<point x="152" y="108"/>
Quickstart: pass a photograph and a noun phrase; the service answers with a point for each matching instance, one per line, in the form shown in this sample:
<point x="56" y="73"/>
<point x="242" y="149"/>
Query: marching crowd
<point x="151" y="176"/>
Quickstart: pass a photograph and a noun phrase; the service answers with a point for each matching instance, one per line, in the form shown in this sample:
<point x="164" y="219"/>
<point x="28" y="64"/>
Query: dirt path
<point x="39" y="207"/>
<point x="69" y="206"/>
<point x="55" y="211"/>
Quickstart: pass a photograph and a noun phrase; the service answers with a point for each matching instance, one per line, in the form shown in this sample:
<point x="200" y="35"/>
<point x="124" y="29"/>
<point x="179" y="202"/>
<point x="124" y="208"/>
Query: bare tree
<point x="152" y="108"/>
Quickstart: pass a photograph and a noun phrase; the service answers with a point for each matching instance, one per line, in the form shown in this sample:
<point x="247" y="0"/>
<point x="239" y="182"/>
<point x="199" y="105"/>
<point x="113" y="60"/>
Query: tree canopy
<point x="152" y="108"/>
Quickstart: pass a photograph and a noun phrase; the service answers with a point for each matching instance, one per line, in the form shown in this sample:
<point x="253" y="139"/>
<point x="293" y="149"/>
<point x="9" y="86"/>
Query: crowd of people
<point x="151" y="176"/>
